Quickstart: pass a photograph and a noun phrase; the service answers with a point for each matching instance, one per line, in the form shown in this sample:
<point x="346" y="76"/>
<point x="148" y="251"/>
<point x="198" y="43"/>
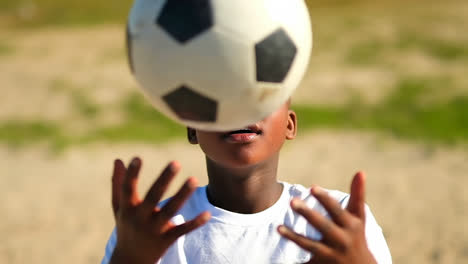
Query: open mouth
<point x="252" y="129"/>
<point x="243" y="131"/>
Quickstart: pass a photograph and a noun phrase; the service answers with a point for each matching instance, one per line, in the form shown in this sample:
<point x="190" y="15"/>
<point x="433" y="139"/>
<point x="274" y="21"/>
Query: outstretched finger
<point x="356" y="204"/>
<point x="329" y="230"/>
<point x="180" y="230"/>
<point x="338" y="214"/>
<point x="117" y="180"/>
<point x="176" y="202"/>
<point x="160" y="186"/>
<point x="129" y="196"/>
<point x="315" y="247"/>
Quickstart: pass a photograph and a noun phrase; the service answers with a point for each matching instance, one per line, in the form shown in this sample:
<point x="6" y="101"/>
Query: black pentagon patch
<point x="129" y="49"/>
<point x="192" y="106"/>
<point x="185" y="19"/>
<point x="274" y="56"/>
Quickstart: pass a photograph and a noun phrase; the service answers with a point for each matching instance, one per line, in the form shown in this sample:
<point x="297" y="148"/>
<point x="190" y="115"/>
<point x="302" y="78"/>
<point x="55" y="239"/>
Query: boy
<point x="244" y="215"/>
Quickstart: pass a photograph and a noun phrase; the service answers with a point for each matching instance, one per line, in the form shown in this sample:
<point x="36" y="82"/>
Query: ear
<point x="192" y="136"/>
<point x="291" y="130"/>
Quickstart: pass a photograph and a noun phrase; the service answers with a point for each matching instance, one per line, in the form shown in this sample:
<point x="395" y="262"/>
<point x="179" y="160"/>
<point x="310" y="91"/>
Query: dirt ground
<point x="56" y="208"/>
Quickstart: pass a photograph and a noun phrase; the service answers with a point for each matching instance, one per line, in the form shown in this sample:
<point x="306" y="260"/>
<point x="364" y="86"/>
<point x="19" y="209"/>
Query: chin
<point x="242" y="159"/>
<point x="242" y="163"/>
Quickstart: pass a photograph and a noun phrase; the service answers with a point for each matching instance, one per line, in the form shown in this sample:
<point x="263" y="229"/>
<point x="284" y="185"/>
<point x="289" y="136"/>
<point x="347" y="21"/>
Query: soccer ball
<point x="218" y="64"/>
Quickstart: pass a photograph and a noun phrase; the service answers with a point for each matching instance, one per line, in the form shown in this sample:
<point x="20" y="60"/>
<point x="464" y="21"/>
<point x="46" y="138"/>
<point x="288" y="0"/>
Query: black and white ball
<point x="218" y="64"/>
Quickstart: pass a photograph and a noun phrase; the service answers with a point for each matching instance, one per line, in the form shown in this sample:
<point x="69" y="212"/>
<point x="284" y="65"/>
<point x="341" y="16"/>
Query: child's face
<point x="250" y="146"/>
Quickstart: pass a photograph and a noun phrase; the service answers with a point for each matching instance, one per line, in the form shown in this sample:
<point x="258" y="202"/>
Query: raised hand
<point x="144" y="231"/>
<point x="343" y="236"/>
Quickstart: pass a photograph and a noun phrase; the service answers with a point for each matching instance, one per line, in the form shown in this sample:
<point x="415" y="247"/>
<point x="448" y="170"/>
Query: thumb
<point x="117" y="180"/>
<point x="356" y="205"/>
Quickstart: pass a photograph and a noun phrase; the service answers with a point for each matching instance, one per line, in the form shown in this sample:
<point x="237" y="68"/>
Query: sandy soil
<point x="57" y="208"/>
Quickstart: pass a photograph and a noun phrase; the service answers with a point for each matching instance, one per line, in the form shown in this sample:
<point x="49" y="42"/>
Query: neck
<point x="245" y="190"/>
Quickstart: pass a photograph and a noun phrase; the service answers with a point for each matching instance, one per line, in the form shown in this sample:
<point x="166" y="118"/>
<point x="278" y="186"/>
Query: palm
<point x="145" y="232"/>
<point x="344" y="239"/>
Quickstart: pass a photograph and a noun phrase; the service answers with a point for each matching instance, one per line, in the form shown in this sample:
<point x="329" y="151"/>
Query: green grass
<point x="6" y="49"/>
<point x="23" y="133"/>
<point x="365" y="53"/>
<point x="403" y="114"/>
<point x="440" y="49"/>
<point x="84" y="105"/>
<point x="38" y="13"/>
<point x="142" y="124"/>
<point x="370" y="52"/>
<point x="73" y="12"/>
<point x="35" y="13"/>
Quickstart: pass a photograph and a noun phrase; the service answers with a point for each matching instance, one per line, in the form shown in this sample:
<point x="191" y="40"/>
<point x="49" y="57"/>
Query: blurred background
<point x="386" y="92"/>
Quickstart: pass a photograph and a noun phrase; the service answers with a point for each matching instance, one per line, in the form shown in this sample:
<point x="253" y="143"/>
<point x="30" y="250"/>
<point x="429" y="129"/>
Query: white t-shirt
<point x="253" y="238"/>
